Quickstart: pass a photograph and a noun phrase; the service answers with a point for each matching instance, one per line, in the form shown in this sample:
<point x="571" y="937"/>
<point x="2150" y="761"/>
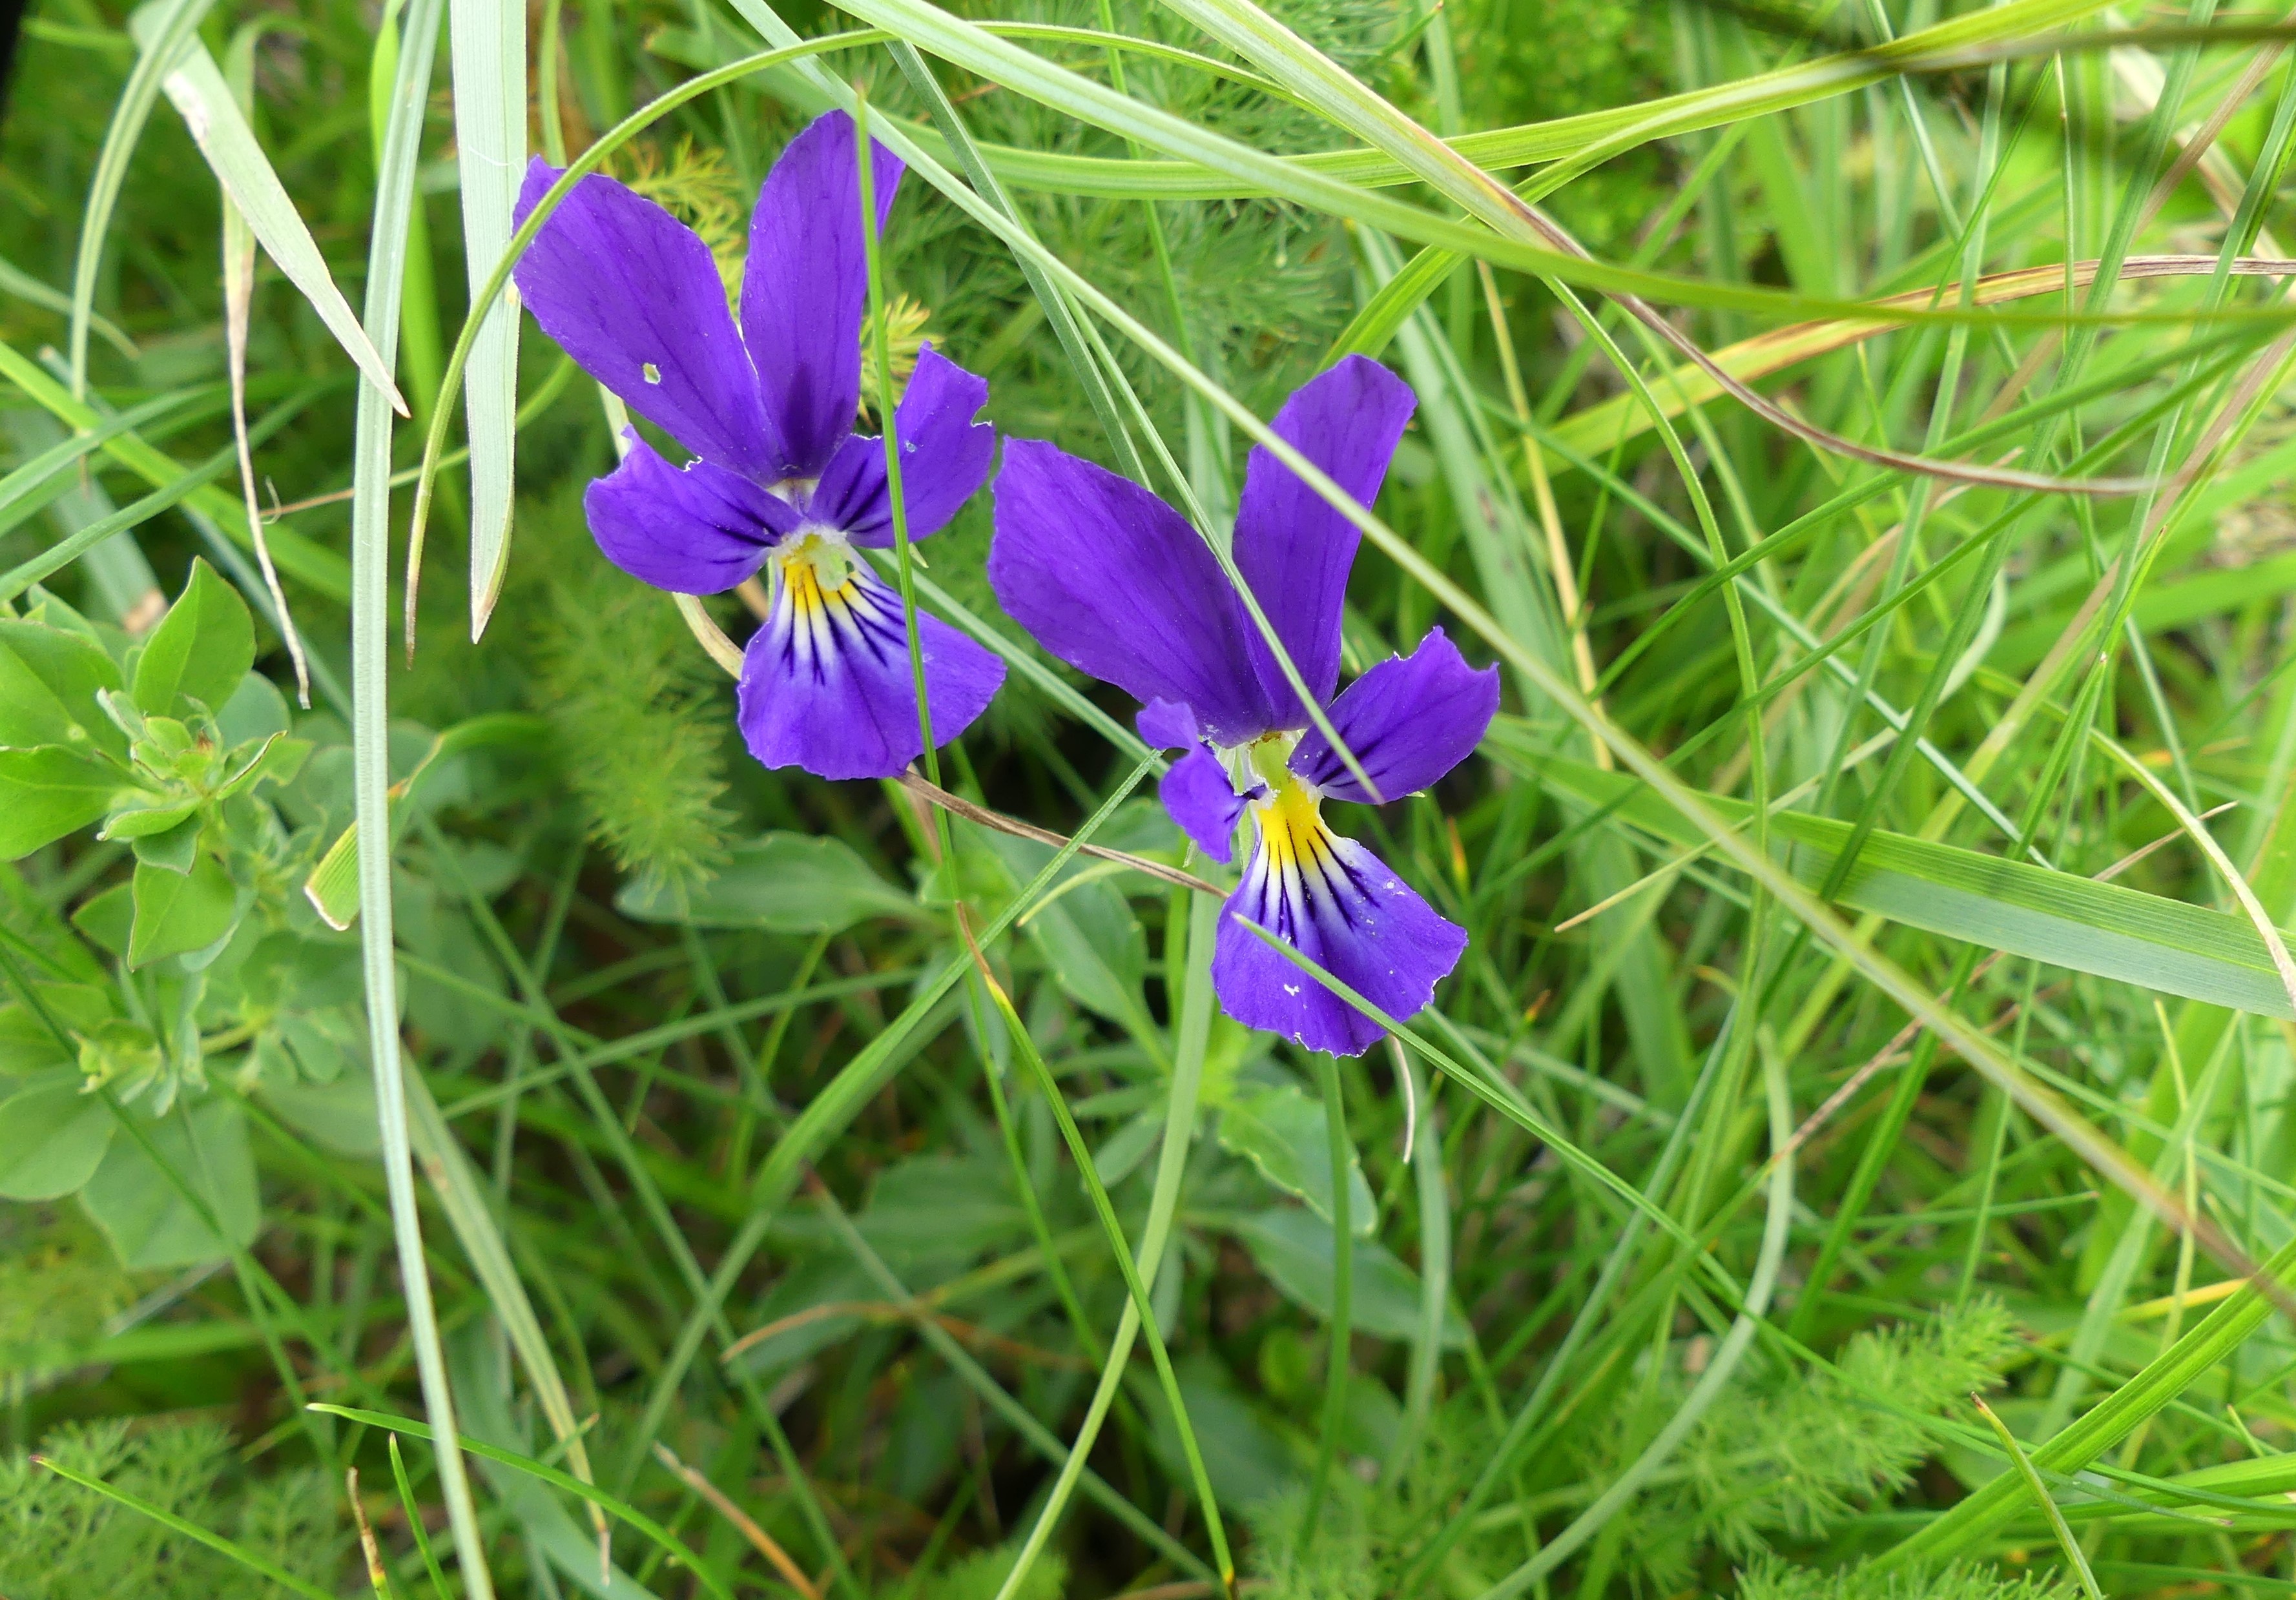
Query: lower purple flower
<point x="1112" y="581"/>
<point x="780" y="483"/>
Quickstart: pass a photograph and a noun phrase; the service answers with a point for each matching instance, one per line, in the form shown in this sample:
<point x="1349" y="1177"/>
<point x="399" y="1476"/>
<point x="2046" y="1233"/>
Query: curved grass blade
<point x="210" y="109"/>
<point x="2157" y="1384"/>
<point x="1134" y="1285"/>
<point x="1603" y="427"/>
<point x="1514" y="221"/>
<point x="173" y="26"/>
<point x="1976" y="39"/>
<point x="2061" y="917"/>
<point x="15" y="281"/>
<point x="239" y="241"/>
<point x="619" y="1509"/>
<point x="190" y="1531"/>
<point x="188" y="481"/>
<point x="2058" y="1527"/>
<point x="310" y="563"/>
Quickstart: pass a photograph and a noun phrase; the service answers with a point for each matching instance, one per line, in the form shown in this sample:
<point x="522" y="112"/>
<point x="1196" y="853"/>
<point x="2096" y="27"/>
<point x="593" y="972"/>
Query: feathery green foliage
<point x="60" y="1541"/>
<point x="616" y="674"/>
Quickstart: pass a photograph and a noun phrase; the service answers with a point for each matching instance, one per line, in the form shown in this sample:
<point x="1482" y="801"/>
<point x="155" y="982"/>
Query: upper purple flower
<point x="1113" y="580"/>
<point x="779" y="478"/>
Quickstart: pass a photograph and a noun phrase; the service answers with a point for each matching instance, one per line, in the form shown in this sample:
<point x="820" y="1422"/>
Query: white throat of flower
<point x="1262" y="764"/>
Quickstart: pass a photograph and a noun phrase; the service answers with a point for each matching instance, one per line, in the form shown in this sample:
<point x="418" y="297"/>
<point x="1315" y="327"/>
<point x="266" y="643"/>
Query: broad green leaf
<point x="47" y="793"/>
<point x="256" y="710"/>
<point x="779" y="883"/>
<point x="1283" y="1132"/>
<point x="936" y="1207"/>
<point x="48" y="683"/>
<point x="142" y="1212"/>
<point x="149" y="822"/>
<point x="1123" y="1151"/>
<point x="338" y="1115"/>
<point x="173" y="849"/>
<point x="52" y="1136"/>
<point x="2104" y="929"/>
<point x="1086" y="932"/>
<point x="1293" y="1246"/>
<point x="177" y="913"/>
<point x="200" y="650"/>
<point x="27" y="1046"/>
<point x="104" y="919"/>
<point x="488" y="53"/>
<point x="1244" y="1456"/>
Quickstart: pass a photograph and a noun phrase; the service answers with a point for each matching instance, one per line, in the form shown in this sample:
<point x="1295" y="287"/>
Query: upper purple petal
<point x="1408" y="721"/>
<point x="628" y="290"/>
<point x="828" y="687"/>
<point x="945" y="459"/>
<point x="697" y="530"/>
<point x="1110" y="579"/>
<point x="804" y="285"/>
<point x="1342" y="908"/>
<point x="1292" y="547"/>
<point x="1201" y="799"/>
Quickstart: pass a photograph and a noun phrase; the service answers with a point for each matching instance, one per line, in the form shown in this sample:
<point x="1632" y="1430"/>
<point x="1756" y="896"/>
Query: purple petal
<point x="1340" y="906"/>
<point x="826" y="683"/>
<point x="697" y="530"/>
<point x="1111" y="580"/>
<point x="626" y="290"/>
<point x="945" y="458"/>
<point x="803" y="287"/>
<point x="1203" y="801"/>
<point x="1408" y="720"/>
<point x="1292" y="546"/>
<point x="1167" y="725"/>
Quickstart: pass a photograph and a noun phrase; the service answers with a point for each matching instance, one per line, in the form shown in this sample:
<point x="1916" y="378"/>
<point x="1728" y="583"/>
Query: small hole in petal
<point x="651" y="372"/>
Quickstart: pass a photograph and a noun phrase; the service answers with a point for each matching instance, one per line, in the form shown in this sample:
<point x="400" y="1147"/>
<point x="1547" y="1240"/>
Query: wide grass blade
<point x="371" y="779"/>
<point x="210" y="109"/>
<point x="489" y="59"/>
<point x="2061" y="917"/>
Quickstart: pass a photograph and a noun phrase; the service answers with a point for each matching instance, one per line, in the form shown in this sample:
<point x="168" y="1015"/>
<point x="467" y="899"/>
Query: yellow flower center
<point x="1291" y="825"/>
<point x="817" y="569"/>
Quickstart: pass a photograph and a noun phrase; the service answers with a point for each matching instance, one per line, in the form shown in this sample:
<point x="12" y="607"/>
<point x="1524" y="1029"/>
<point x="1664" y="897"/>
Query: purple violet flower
<point x="780" y="480"/>
<point x="1112" y="581"/>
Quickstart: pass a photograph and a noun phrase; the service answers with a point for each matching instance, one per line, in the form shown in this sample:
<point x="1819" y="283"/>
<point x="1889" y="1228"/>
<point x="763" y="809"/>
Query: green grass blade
<point x="2061" y="917"/>
<point x="489" y="40"/>
<point x="176" y="23"/>
<point x="308" y="562"/>
<point x="190" y="1531"/>
<point x="617" y="1508"/>
<point x="371" y="783"/>
<point x="210" y="109"/>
